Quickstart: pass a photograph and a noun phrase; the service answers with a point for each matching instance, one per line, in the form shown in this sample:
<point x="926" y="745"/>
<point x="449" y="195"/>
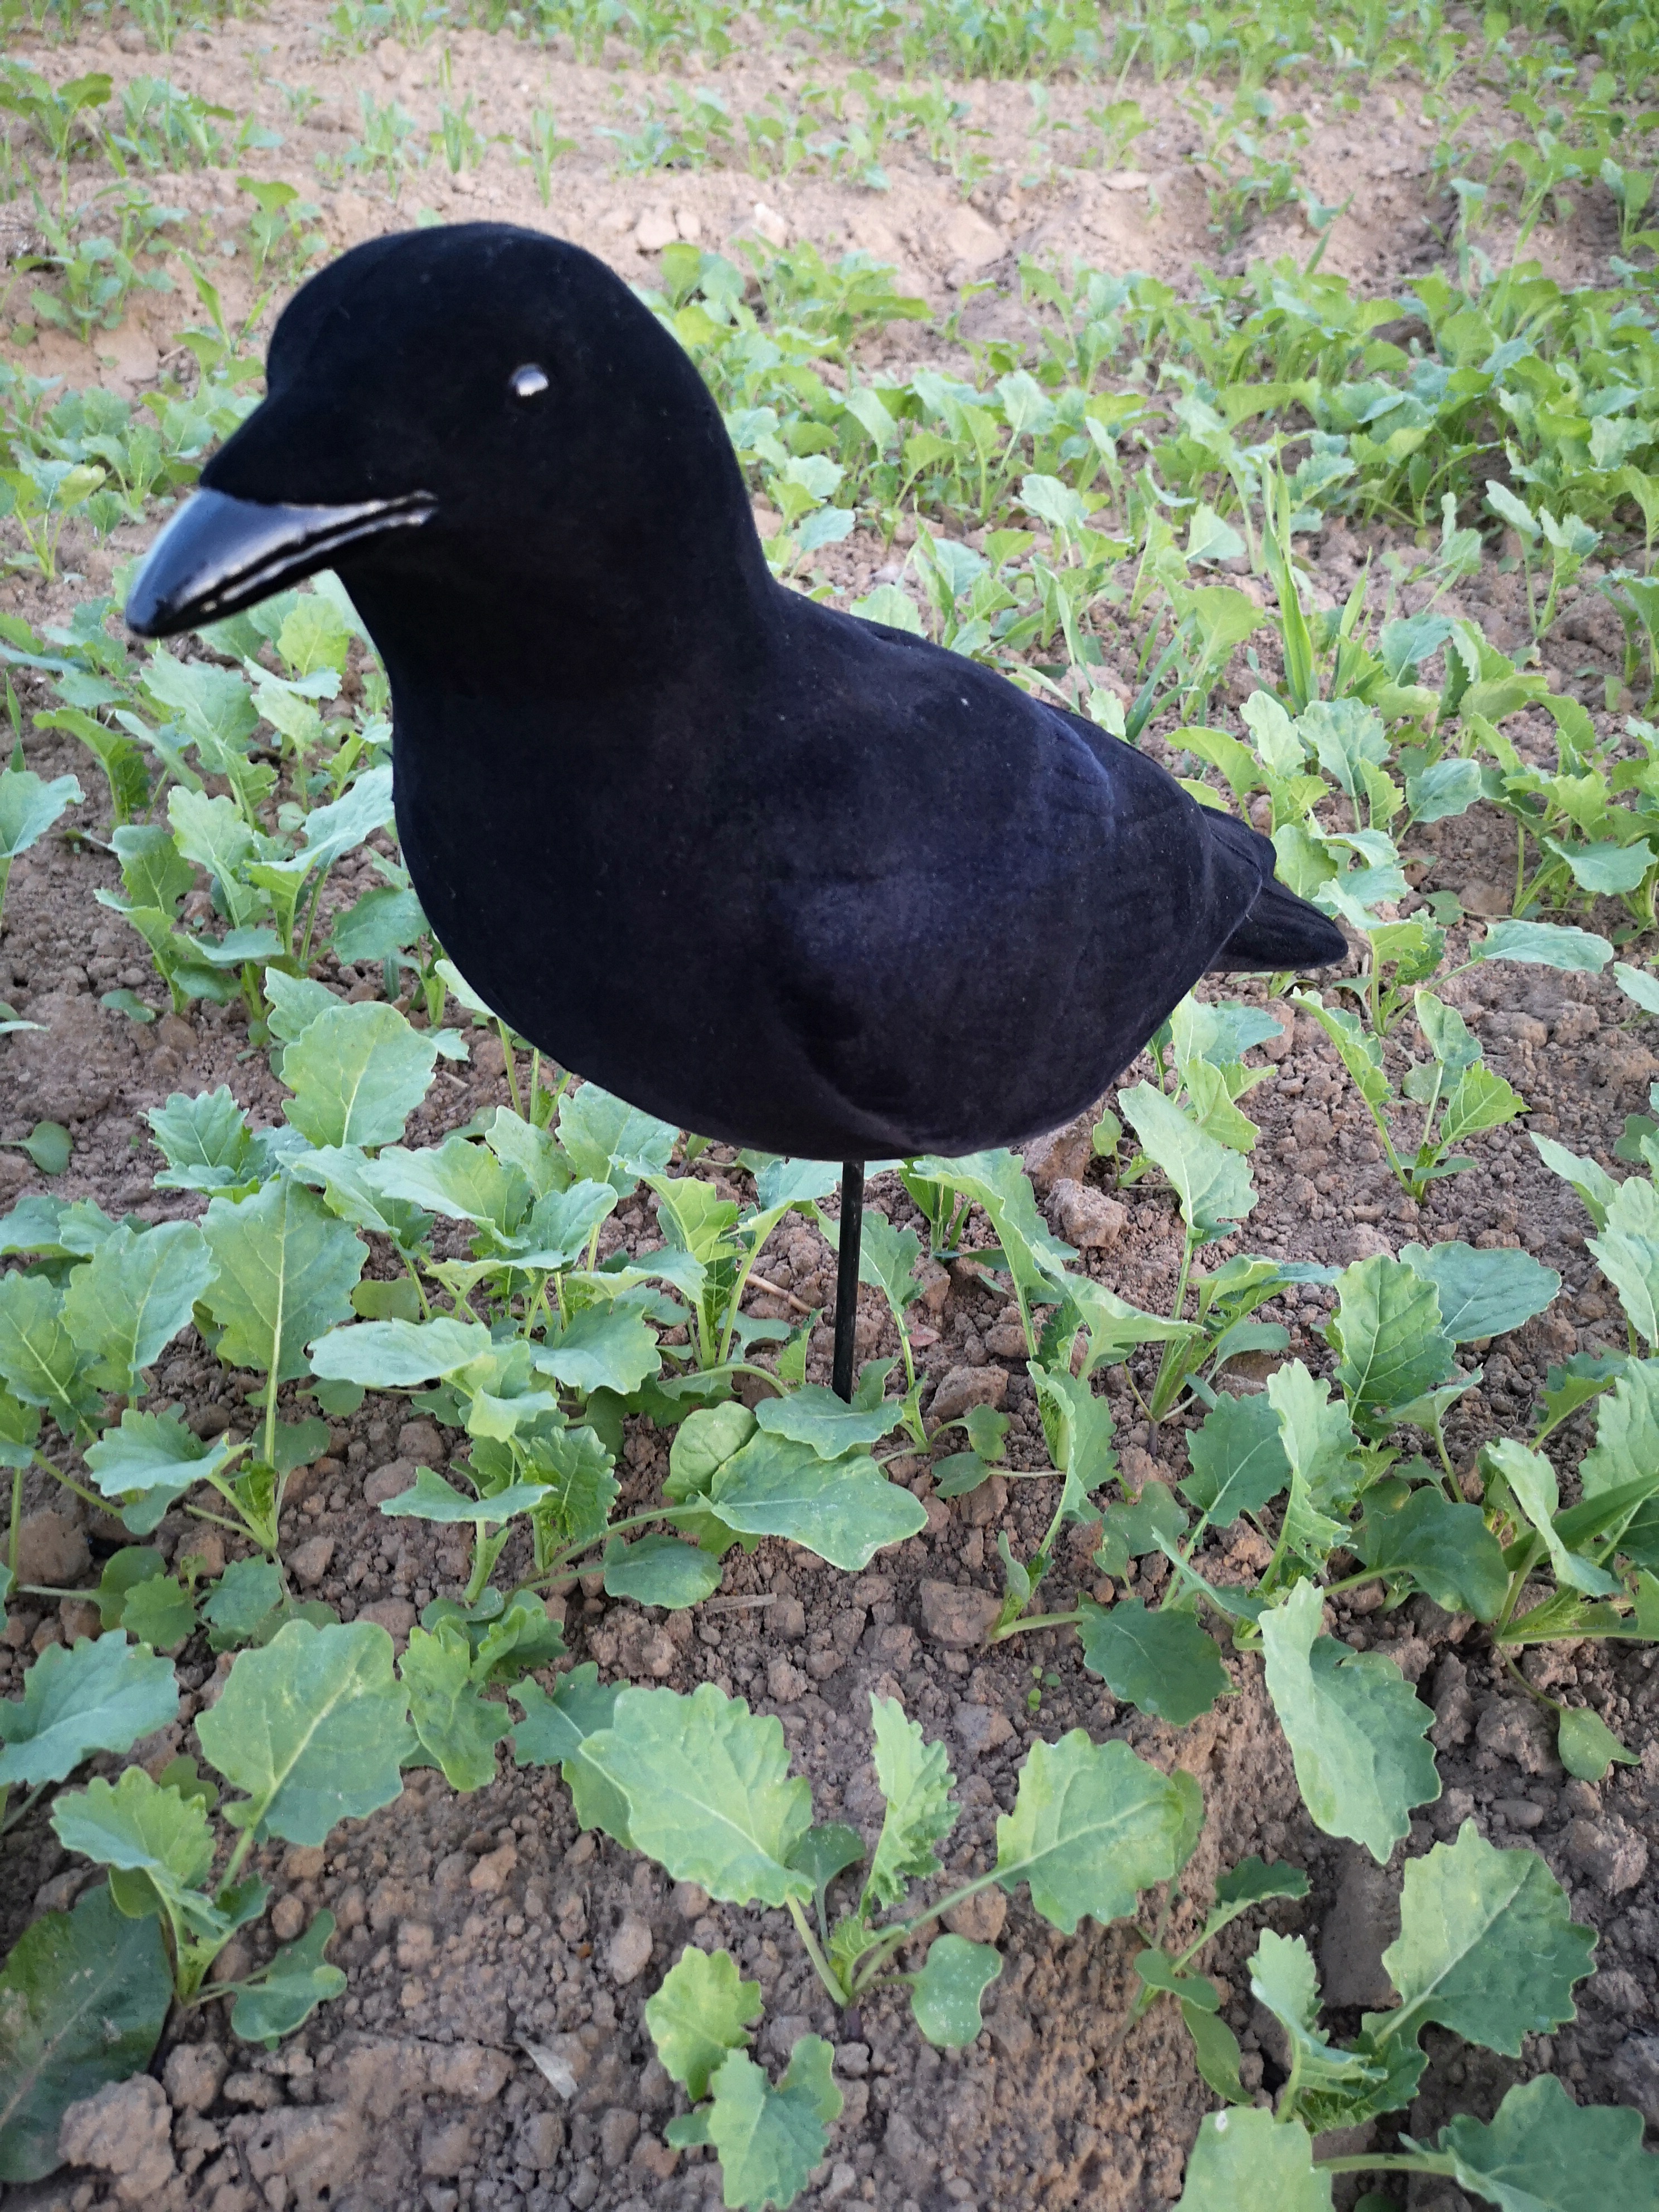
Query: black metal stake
<point x="847" y="1276"/>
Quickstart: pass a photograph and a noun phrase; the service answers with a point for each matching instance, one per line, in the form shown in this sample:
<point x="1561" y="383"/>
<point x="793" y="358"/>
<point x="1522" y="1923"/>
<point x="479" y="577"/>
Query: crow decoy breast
<point x="778" y="875"/>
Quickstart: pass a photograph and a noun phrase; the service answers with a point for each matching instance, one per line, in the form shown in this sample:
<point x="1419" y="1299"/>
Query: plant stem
<point x="1034" y="1620"/>
<point x="821" y="1967"/>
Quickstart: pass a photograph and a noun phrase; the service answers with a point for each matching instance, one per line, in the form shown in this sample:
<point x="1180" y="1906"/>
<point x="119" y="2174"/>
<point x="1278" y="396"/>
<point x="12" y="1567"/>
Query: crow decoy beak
<point x="219" y="555"/>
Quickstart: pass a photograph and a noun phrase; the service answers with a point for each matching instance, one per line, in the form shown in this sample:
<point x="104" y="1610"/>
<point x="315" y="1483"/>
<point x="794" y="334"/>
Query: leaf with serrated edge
<point x="286" y="1268"/>
<point x="454" y="1723"/>
<point x="136" y="1825"/>
<point x="1447" y="1549"/>
<point x="1246" y="2161"/>
<point x="702" y="2011"/>
<point x="769" y="2140"/>
<point x="357" y="1073"/>
<point x="1319" y="1445"/>
<point x="944" y="1997"/>
<point x="93" y="1696"/>
<point x="1544" y="2154"/>
<point x="554" y="1732"/>
<point x="917" y="1781"/>
<point x="844" y="1509"/>
<point x="84" y="1998"/>
<point x="1162" y="1663"/>
<point x="1283" y="1979"/>
<point x="708" y="1790"/>
<point x="1238" y="1458"/>
<point x="313" y="1729"/>
<point x="1355" y="1728"/>
<point x="1211" y="1181"/>
<point x="1488" y="1947"/>
<point x="1387" y="1324"/>
<point x="133" y="1297"/>
<point x="1092" y="1825"/>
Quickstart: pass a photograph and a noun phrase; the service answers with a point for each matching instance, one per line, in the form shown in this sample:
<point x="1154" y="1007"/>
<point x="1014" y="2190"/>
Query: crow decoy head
<point x="776" y="874"/>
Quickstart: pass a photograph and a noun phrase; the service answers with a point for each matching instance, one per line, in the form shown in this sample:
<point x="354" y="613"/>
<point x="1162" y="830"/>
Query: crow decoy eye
<point x="528" y="382"/>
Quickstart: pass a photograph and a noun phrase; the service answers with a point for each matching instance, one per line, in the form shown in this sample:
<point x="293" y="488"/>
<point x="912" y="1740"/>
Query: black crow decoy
<point x="786" y="877"/>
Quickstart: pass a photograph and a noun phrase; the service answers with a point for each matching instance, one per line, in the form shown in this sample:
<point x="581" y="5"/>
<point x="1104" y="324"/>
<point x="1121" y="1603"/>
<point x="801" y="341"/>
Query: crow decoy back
<point x="778" y="875"/>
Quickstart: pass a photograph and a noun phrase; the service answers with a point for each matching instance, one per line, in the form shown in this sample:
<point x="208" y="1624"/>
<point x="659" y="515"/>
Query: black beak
<point x="219" y="555"/>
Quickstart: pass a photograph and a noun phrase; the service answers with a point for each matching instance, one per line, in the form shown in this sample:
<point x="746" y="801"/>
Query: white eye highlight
<point x="528" y="382"/>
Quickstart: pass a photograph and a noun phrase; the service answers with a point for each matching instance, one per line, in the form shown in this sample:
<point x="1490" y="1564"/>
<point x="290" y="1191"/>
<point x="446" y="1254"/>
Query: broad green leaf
<point x="1479" y="1100"/>
<point x="1245" y="2161"/>
<point x="1587" y="1177"/>
<point x="1450" y="1039"/>
<point x="462" y="1181"/>
<point x="1545" y="944"/>
<point x="1587" y="1746"/>
<point x="313" y="1729"/>
<point x="285" y="1270"/>
<point x="998" y="1184"/>
<point x="357" y="1073"/>
<point x="1488" y="1947"/>
<point x="1447" y="1550"/>
<point x="1354" y="1726"/>
<point x="83" y="1997"/>
<point x="1163" y="1662"/>
<point x="431" y="1499"/>
<point x="349" y="1179"/>
<point x="28" y="807"/>
<point x="826" y="1849"/>
<point x="151" y="1459"/>
<point x="1144" y="1524"/>
<point x="1544" y="2154"/>
<point x="1534" y="1485"/>
<point x="1077" y="1426"/>
<point x="1626" y="1447"/>
<point x="659" y="1570"/>
<point x="1627" y="1253"/>
<point x="133" y="1297"/>
<point x="282" y="1995"/>
<point x="209" y="1144"/>
<point x="1238" y="1458"/>
<point x="554" y="1732"/>
<point x="159" y="1612"/>
<point x="917" y="1781"/>
<point x="702" y="1443"/>
<point x="579" y="1488"/>
<point x="608" y="1141"/>
<point x="602" y="1348"/>
<point x="338" y="828"/>
<point x="138" y="1826"/>
<point x="945" y="1995"/>
<point x="455" y="1724"/>
<point x="1282" y="1977"/>
<point x="1252" y="1881"/>
<point x="1211" y="1181"/>
<point x="399" y="1355"/>
<point x="815" y="1417"/>
<point x="769" y="2140"/>
<point x="240" y="1601"/>
<point x="95" y="1695"/>
<point x="39" y="1357"/>
<point x="703" y="2011"/>
<point x="844" y="1509"/>
<point x="1483" y="1293"/>
<point x="1319" y="1442"/>
<point x="1092" y="1825"/>
<point x="1217" y="2051"/>
<point x="1389" y="1329"/>
<point x="708" y="1790"/>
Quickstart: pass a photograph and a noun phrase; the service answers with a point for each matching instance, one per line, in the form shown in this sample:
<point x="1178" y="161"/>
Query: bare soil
<point x="473" y="1928"/>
